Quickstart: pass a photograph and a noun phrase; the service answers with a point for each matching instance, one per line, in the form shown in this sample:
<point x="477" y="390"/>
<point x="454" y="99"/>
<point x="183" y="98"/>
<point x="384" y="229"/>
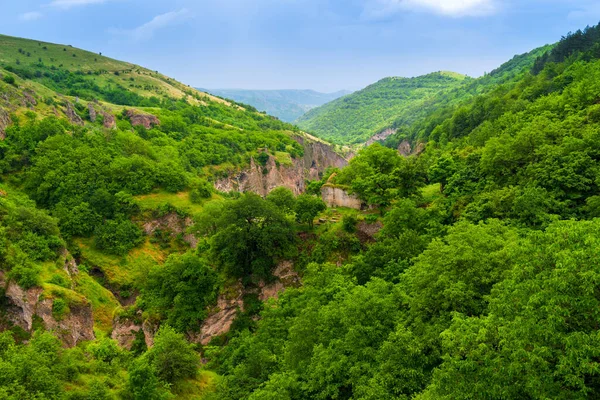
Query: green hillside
<point x="287" y="105"/>
<point x="360" y="115"/>
<point x="71" y="71"/>
<point x="403" y="104"/>
<point x="104" y="166"/>
<point x="470" y="270"/>
<point x="482" y="283"/>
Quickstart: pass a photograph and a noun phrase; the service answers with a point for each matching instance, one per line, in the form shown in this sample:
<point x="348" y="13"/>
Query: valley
<point x="408" y="240"/>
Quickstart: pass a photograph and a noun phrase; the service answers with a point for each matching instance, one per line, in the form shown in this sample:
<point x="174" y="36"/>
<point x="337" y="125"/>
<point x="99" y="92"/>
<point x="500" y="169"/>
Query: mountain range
<point x="287" y="105"/>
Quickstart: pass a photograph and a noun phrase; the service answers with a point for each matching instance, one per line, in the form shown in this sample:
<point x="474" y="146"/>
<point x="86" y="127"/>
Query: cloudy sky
<point x="325" y="45"/>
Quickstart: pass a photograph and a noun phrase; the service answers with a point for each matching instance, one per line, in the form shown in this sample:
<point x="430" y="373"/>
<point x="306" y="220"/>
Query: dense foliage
<point x="472" y="272"/>
<point x="360" y="115"/>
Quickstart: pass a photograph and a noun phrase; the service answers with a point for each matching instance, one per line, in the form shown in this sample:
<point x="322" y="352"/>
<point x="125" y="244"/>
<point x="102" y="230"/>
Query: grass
<point x="122" y="271"/>
<point x="196" y="389"/>
<point x="145" y="82"/>
<point x="179" y="200"/>
<point x="104" y="304"/>
<point x="283" y="158"/>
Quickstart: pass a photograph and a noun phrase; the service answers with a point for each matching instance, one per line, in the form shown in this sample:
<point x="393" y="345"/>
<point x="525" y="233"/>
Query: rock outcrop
<point x="109" y="120"/>
<point x="405" y="149"/>
<point x="335" y="196"/>
<point x="29" y="98"/>
<point x="285" y="277"/>
<point x="25" y="305"/>
<point x="73" y="117"/>
<point x="4" y="122"/>
<point x="261" y="180"/>
<point x="93" y="113"/>
<point x="126" y="330"/>
<point x="146" y="120"/>
<point x="220" y="320"/>
<point x="381" y="136"/>
<point x="175" y="225"/>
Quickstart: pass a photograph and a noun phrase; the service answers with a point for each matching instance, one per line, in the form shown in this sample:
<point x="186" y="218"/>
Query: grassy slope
<point x="25" y="53"/>
<point x="354" y="118"/>
<point x="18" y="55"/>
<point x="358" y="116"/>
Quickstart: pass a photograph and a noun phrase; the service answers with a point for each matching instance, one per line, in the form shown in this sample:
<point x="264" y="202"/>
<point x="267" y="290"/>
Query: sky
<point x="325" y="45"/>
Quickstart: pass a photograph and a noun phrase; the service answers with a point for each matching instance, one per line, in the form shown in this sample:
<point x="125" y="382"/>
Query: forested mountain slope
<point x="125" y="274"/>
<point x="483" y="281"/>
<point x="360" y="115"/>
<point x="384" y="108"/>
<point x="104" y="169"/>
<point x="287" y="105"/>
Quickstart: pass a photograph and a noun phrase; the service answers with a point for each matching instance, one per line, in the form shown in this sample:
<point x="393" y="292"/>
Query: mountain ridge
<point x="286" y="104"/>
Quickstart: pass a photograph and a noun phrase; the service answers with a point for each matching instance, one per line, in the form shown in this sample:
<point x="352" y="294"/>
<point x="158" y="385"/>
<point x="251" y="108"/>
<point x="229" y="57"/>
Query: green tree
<point x="172" y="357"/>
<point x="307" y="208"/>
<point x="540" y="330"/>
<point x="118" y="237"/>
<point x="283" y="198"/>
<point x="252" y="234"/>
<point x="180" y="291"/>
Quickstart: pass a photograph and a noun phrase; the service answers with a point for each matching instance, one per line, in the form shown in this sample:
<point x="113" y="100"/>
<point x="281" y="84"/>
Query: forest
<point x="471" y="271"/>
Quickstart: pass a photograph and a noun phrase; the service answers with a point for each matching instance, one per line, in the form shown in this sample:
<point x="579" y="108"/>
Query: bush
<point x="9" y="79"/>
<point x="200" y="190"/>
<point x="172" y="357"/>
<point x="118" y="237"/>
<point x="349" y="223"/>
<point x="60" y="308"/>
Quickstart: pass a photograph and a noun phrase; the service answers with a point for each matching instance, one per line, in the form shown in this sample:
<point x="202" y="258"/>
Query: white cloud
<point x="452" y="8"/>
<point x="31" y="16"/>
<point x="146" y="31"/>
<point x="74" y="3"/>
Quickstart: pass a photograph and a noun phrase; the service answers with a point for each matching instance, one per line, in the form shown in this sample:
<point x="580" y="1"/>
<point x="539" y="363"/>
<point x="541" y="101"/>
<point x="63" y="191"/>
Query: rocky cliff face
<point x="337" y="197"/>
<point x="381" y="136"/>
<point x="261" y="180"/>
<point x="26" y="305"/>
<point x="73" y="117"/>
<point x="175" y="225"/>
<point x="405" y="149"/>
<point x="126" y="330"/>
<point x="4" y="122"/>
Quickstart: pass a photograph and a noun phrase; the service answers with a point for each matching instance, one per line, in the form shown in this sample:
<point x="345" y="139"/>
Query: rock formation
<point x="4" y="122"/>
<point x="381" y="136"/>
<point x="146" y="120"/>
<point x="125" y="330"/>
<point x="29" y="98"/>
<point x="219" y="322"/>
<point x="405" y="149"/>
<point x="92" y="110"/>
<point x="285" y="277"/>
<point x="261" y="180"/>
<point x="335" y="196"/>
<point x="25" y="305"/>
<point x="73" y="117"/>
<point x="109" y="120"/>
<point x="173" y="224"/>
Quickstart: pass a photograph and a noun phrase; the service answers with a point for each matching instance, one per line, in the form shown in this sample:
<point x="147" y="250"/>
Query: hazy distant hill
<point x="287" y="105"/>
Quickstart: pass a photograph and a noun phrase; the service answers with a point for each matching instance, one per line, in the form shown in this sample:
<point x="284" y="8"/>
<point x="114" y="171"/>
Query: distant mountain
<point x="287" y="105"/>
<point x="357" y="117"/>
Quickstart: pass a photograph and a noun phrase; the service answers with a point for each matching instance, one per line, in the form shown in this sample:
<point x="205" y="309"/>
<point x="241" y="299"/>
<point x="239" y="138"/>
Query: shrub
<point x="9" y="79"/>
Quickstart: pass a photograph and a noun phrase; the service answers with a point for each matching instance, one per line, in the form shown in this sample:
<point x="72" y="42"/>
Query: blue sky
<point x="325" y="45"/>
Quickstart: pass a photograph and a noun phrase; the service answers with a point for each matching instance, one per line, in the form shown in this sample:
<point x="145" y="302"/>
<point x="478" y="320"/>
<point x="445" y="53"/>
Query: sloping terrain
<point x="405" y="105"/>
<point x="360" y="115"/>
